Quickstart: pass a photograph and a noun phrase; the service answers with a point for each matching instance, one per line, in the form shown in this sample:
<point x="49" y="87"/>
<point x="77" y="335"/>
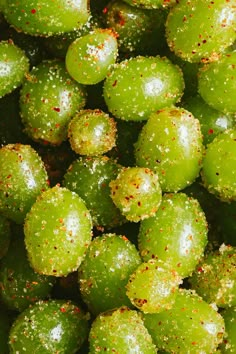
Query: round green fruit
<point x="57" y="232"/>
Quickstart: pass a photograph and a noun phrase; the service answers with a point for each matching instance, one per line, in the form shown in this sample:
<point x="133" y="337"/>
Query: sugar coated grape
<point x="219" y="166"/>
<point x="22" y="178"/>
<point x="14" y="65"/>
<point x="120" y="331"/>
<point x="92" y="132"/>
<point x="177" y="234"/>
<point x="88" y="57"/>
<point x="54" y="326"/>
<point x="153" y="286"/>
<point x="215" y="277"/>
<point x="103" y="274"/>
<point x="200" y="30"/>
<point x="170" y="143"/>
<point x="57" y="232"/>
<point x="217" y="83"/>
<point x="46" y="18"/>
<point x="135" y="88"/>
<point x="48" y="100"/>
<point x="190" y="326"/>
<point x="136" y="192"/>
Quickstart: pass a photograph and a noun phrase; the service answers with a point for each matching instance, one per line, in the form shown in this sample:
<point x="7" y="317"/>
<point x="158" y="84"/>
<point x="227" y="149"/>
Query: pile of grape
<point x="117" y="176"/>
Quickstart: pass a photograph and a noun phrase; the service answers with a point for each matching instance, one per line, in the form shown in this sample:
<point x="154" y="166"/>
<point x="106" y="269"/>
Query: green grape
<point x="108" y="264"/>
<point x="137" y="87"/>
<point x="14" y="65"/>
<point x="5" y="235"/>
<point x="136" y="192"/>
<point x="57" y="232"/>
<point x="54" y="326"/>
<point x="229" y="342"/>
<point x="89" y="177"/>
<point x="217" y="83"/>
<point x="190" y="326"/>
<point x="177" y="234"/>
<point x="151" y="4"/>
<point x="92" y="132"/>
<point x="214" y="278"/>
<point x="200" y="30"/>
<point x="120" y="331"/>
<point x="170" y="143"/>
<point x="22" y="178"/>
<point x="89" y="57"/>
<point x="49" y="98"/>
<point x="219" y="166"/>
<point x="212" y="121"/>
<point x="153" y="286"/>
<point x="46" y="18"/>
<point x="20" y="285"/>
<point x="139" y="30"/>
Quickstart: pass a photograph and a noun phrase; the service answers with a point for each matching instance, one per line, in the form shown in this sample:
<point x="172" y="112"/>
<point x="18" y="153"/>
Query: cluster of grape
<point x="117" y="176"/>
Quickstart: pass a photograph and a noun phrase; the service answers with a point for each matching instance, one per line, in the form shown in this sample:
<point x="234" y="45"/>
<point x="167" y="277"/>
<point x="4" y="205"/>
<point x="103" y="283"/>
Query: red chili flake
<point x="9" y="176"/>
<point x="125" y="238"/>
<point x="210" y="131"/>
<point x="62" y="309"/>
<point x="76" y="310"/>
<point x="57" y="125"/>
<point x="33" y="11"/>
<point x="200" y="270"/>
<point x="114" y="83"/>
<point x="57" y="109"/>
<point x="105" y="10"/>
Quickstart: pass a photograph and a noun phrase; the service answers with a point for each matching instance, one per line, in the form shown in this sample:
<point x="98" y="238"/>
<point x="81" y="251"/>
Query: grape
<point x="177" y="234"/>
<point x="14" y="65"/>
<point x="153" y="286"/>
<point x="217" y="83"/>
<point x="92" y="132"/>
<point x="20" y="285"/>
<point x="219" y="166"/>
<point x="54" y="326"/>
<point x="201" y="30"/>
<point x="136" y="192"/>
<point x="170" y="143"/>
<point x="120" y="331"/>
<point x="57" y="232"/>
<point x="22" y="178"/>
<point x="215" y="277"/>
<point x="135" y="88"/>
<point x="103" y="274"/>
<point x="212" y="121"/>
<point x="190" y="326"/>
<point x="49" y="98"/>
<point x="89" y="57"/>
<point x="90" y="178"/>
<point x="46" y="18"/>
